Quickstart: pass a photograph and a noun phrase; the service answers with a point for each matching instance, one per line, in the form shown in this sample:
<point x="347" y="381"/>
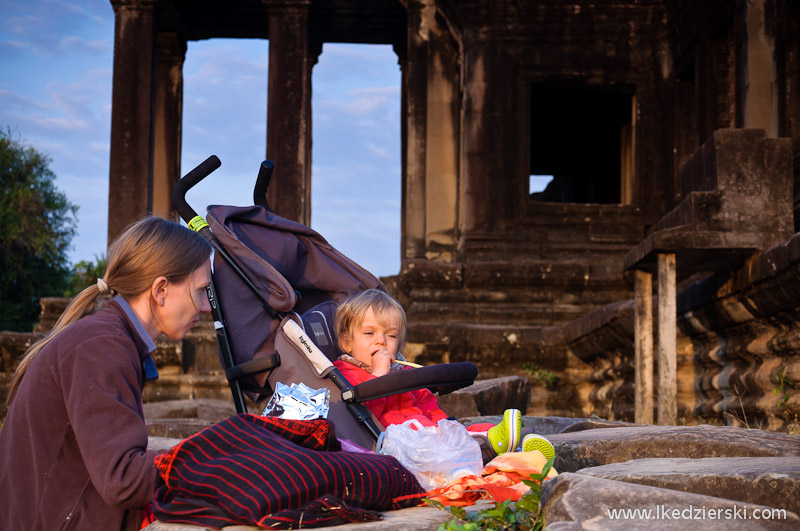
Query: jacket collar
<point x="143" y="339"/>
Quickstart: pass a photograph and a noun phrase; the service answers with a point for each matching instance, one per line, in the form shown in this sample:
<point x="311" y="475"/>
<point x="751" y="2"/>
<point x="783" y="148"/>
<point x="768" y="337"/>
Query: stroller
<point x="279" y="283"/>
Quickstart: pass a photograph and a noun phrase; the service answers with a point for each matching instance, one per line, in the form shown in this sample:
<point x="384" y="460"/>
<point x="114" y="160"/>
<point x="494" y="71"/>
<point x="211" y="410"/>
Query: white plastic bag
<point x="436" y="455"/>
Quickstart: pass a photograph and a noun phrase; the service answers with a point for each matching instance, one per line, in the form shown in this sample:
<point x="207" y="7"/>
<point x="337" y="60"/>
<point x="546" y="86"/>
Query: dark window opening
<point x="582" y="137"/>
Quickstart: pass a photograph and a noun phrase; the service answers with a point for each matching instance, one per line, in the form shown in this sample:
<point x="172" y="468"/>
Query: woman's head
<point x="376" y="305"/>
<point x="152" y="248"/>
<point x="148" y="250"/>
<point x="162" y="269"/>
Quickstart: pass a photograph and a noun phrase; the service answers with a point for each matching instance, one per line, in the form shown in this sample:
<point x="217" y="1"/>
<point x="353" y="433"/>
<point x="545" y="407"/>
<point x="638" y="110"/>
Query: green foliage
<point x="789" y="414"/>
<point x="782" y="390"/>
<point x="524" y="515"/>
<point x="85" y="274"/>
<point x="543" y="376"/>
<point x="38" y="224"/>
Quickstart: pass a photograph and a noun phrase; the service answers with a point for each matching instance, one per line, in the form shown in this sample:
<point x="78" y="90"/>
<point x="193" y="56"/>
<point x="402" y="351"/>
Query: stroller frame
<point x="442" y="378"/>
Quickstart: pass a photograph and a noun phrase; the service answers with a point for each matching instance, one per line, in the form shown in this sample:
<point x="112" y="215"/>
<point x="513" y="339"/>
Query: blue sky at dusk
<point x="56" y="60"/>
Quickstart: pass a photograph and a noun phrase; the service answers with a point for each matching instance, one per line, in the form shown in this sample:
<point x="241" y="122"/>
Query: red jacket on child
<point x="396" y="409"/>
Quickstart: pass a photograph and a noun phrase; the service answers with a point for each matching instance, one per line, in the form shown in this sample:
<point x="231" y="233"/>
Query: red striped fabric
<point x="276" y="473"/>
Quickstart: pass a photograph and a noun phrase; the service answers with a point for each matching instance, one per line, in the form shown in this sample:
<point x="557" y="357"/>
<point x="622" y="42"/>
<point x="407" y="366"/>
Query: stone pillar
<point x="489" y="145"/>
<point x="130" y="164"/>
<point x="415" y="93"/>
<point x="758" y="82"/>
<point x="667" y="337"/>
<point x="289" y="109"/>
<point x="168" y="117"/>
<point x="643" y="350"/>
<point x="430" y="185"/>
<point x="442" y="153"/>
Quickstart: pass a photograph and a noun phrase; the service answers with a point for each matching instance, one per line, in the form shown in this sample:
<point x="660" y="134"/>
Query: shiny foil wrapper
<point x="297" y="402"/>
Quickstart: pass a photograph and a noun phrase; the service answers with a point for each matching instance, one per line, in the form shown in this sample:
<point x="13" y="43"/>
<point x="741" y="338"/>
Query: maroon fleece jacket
<point x="73" y="448"/>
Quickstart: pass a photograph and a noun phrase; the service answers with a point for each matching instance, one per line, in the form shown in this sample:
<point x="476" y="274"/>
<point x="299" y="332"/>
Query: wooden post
<point x="667" y="333"/>
<point x="643" y="359"/>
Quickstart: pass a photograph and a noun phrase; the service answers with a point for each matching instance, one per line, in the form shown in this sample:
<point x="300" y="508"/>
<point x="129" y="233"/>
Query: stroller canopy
<point x="293" y="267"/>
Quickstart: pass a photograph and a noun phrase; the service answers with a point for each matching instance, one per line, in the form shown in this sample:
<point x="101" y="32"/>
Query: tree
<point x="84" y="274"/>
<point x="37" y="225"/>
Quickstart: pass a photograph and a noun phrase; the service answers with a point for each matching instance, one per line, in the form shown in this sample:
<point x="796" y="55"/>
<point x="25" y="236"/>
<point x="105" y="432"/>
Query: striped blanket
<point x="278" y="474"/>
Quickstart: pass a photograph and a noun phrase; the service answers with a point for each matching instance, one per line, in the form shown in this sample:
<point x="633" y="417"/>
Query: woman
<point x="73" y="448"/>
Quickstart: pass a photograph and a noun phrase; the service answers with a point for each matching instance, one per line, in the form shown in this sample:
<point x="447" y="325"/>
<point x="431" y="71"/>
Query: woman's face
<point x="184" y="302"/>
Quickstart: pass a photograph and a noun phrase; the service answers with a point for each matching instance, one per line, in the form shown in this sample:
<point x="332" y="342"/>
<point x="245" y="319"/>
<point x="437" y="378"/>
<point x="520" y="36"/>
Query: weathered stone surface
<point x="487" y="397"/>
<point x="184" y="418"/>
<point x="412" y="519"/>
<point x="161" y="444"/>
<point x="770" y="481"/>
<point x="180" y="428"/>
<point x="573" y="501"/>
<point x="201" y="408"/>
<point x="589" y="448"/>
<point x="13" y="346"/>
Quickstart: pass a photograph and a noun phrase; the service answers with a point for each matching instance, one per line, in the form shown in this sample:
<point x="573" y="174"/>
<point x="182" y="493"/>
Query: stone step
<point x="590" y="448"/>
<point x="576" y="501"/>
<point x="519" y="314"/>
<point x="770" y="481"/>
<point x="411" y="519"/>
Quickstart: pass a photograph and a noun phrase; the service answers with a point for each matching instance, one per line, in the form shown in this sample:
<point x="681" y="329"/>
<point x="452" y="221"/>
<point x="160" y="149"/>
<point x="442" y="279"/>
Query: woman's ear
<point x="159" y="290"/>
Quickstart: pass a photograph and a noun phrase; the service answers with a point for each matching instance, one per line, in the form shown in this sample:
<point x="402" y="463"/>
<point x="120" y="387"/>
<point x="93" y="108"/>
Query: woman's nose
<point x="205" y="306"/>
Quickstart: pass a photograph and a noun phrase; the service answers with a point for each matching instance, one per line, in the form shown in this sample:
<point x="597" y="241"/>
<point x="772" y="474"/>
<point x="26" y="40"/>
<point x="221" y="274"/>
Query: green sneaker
<point x="533" y="442"/>
<point x="505" y="436"/>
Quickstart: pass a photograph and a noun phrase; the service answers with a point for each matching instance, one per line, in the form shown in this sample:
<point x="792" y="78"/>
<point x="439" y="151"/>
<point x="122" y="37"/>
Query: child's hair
<point x="147" y="249"/>
<point x="351" y="312"/>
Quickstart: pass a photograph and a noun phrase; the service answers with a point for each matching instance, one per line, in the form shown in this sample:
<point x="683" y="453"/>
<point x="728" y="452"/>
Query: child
<point x="371" y="327"/>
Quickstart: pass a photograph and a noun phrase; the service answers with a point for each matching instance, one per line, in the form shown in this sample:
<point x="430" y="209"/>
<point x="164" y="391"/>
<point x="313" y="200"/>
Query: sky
<point x="56" y="66"/>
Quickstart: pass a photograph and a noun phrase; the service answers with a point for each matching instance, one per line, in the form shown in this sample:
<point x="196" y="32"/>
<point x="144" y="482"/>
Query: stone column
<point x="757" y="81"/>
<point x="643" y="350"/>
<point x="130" y="164"/>
<point x="430" y="187"/>
<point x="667" y="337"/>
<point x="415" y="94"/>
<point x="289" y="109"/>
<point x="168" y="117"/>
<point x="443" y="132"/>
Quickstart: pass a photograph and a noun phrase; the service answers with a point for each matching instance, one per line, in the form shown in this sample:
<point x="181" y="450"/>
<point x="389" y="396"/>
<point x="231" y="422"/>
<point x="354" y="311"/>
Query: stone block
<point x="574" y="501"/>
<point x="770" y="481"/>
<point x="201" y="408"/>
<point x="13" y="346"/>
<point x="411" y="519"/>
<point x="551" y="425"/>
<point x="487" y="397"/>
<point x="588" y="448"/>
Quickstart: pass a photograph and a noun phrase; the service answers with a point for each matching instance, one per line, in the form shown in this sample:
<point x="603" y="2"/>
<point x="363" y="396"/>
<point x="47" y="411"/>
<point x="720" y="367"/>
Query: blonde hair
<point x="350" y="313"/>
<point x="149" y="248"/>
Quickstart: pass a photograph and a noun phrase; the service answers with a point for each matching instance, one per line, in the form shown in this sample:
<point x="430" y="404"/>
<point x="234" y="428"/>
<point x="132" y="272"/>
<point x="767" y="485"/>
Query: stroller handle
<point x="186" y="212"/>
<point x="262" y="183"/>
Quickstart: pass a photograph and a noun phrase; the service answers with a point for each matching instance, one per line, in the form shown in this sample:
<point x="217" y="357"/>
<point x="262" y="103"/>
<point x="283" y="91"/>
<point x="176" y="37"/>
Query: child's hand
<point x="382" y="362"/>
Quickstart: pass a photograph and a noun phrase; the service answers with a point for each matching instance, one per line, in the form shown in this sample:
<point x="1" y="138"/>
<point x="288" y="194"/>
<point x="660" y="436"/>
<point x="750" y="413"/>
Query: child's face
<point x="373" y="335"/>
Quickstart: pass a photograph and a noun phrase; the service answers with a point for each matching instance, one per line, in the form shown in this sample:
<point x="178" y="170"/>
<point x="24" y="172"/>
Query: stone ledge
<point x="574" y="501"/>
<point x="411" y="519"/>
<point x="590" y="448"/>
<point x="770" y="481"/>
